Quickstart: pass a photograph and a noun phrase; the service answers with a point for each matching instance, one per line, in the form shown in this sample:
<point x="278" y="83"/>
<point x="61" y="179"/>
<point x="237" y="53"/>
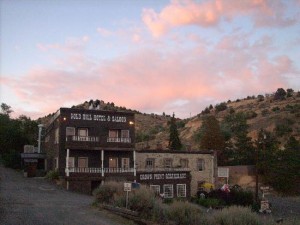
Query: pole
<point x="102" y="163"/>
<point x="256" y="176"/>
<point x="127" y="199"/>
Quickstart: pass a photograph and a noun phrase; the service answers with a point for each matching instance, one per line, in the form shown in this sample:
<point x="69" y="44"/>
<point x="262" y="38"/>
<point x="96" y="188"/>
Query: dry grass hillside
<point x="152" y="131"/>
<point x="279" y="116"/>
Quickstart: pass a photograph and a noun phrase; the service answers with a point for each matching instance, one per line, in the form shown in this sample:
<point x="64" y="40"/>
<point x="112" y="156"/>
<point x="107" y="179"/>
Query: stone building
<point x="198" y="167"/>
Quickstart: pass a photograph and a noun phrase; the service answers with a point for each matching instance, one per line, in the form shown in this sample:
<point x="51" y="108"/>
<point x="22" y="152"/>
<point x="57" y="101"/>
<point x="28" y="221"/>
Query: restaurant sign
<point x="162" y="176"/>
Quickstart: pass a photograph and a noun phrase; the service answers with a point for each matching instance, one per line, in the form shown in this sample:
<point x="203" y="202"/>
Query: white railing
<point x="119" y="140"/>
<point x="99" y="170"/>
<point x="174" y="169"/>
<point x="85" y="138"/>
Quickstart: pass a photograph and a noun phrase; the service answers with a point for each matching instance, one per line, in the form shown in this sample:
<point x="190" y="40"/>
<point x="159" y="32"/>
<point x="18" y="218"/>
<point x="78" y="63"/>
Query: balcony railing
<point x="172" y="169"/>
<point x="119" y="140"/>
<point x="99" y="170"/>
<point x="123" y="170"/>
<point x="84" y="138"/>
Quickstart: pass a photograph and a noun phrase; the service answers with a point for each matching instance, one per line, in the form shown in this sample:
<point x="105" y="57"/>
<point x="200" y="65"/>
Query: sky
<point x="154" y="56"/>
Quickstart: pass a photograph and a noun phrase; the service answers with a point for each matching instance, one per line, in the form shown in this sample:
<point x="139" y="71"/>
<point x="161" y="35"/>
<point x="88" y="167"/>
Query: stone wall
<point x="207" y="175"/>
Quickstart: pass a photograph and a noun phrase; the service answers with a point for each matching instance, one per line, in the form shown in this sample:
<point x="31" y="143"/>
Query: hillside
<point x="281" y="116"/>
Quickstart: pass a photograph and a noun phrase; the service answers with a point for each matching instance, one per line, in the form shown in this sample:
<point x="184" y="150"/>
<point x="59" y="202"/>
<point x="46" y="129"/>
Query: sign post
<point x="127" y="188"/>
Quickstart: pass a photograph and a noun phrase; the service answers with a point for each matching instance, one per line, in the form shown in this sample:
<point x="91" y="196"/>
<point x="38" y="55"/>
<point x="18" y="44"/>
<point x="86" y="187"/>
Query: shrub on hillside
<point x="221" y="107"/>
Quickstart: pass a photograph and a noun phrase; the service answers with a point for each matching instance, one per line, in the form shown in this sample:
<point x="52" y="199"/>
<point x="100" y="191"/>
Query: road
<point x="36" y="201"/>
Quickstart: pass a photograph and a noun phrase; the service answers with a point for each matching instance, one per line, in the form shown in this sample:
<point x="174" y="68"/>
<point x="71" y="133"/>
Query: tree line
<point x="14" y="134"/>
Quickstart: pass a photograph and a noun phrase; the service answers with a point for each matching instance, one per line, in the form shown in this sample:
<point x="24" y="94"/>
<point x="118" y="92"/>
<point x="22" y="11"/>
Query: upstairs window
<point x="124" y="133"/>
<point x="113" y="134"/>
<point x="168" y="163"/>
<point x="184" y="163"/>
<point x="70" y="131"/>
<point x="83" y="132"/>
<point x="149" y="163"/>
<point x="200" y="164"/>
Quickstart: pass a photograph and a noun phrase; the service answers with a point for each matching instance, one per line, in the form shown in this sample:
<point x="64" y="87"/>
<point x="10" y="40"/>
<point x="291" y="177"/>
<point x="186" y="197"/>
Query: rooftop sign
<point x="98" y="117"/>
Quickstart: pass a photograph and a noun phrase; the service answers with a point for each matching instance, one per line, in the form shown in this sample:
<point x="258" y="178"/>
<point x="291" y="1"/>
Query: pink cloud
<point x="210" y="13"/>
<point x="152" y="80"/>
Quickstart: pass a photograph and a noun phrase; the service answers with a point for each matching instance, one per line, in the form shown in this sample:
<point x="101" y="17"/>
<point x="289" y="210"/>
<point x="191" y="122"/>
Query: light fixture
<point x="131" y="122"/>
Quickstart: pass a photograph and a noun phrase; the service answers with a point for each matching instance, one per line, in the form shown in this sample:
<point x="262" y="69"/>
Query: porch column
<point x="67" y="162"/>
<point x="134" y="165"/>
<point x="102" y="163"/>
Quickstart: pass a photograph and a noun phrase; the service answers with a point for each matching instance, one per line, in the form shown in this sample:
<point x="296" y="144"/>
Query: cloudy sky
<point x="150" y="55"/>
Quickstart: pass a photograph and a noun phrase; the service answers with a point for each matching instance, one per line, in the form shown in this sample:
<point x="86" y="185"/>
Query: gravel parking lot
<point x="30" y="201"/>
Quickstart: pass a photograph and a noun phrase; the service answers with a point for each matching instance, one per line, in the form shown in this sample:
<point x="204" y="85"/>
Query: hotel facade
<point x="88" y="147"/>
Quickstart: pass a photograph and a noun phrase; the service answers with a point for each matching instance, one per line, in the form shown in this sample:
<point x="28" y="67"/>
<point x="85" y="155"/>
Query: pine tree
<point x="211" y="137"/>
<point x="174" y="141"/>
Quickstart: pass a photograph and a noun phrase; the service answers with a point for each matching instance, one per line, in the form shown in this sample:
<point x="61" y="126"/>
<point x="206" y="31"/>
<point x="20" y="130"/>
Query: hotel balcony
<point x="119" y="140"/>
<point x="82" y="142"/>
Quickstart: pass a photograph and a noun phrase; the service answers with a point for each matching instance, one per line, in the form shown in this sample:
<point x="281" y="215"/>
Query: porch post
<point x="102" y="163"/>
<point x="67" y="162"/>
<point x="134" y="165"/>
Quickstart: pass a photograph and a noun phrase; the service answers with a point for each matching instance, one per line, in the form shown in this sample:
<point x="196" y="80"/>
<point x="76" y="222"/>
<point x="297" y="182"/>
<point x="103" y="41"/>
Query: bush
<point x="185" y="213"/>
<point x="235" y="215"/>
<point x="107" y="192"/>
<point x="52" y="175"/>
<point x="142" y="200"/>
<point x="221" y="107"/>
<point x="275" y="109"/>
<point x="12" y="159"/>
<point x="210" y="202"/>
<point x="265" y="112"/>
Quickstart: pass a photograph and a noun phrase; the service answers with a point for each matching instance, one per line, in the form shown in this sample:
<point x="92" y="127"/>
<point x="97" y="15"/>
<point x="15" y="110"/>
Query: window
<point x="83" y="132"/>
<point x="82" y="162"/>
<point x="184" y="163"/>
<point x="112" y="162"/>
<point x="125" y="163"/>
<point x="168" y="190"/>
<point x="124" y="133"/>
<point x="56" y="137"/>
<point x="168" y="163"/>
<point x="70" y="131"/>
<point x="71" y="162"/>
<point x="155" y="188"/>
<point x="113" y="133"/>
<point x="181" y="190"/>
<point x="200" y="164"/>
<point x="150" y="163"/>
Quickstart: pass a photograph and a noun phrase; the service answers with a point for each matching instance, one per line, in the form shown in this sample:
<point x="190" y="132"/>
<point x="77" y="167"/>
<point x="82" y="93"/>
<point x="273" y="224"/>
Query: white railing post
<point x="102" y="163"/>
<point x="134" y="165"/>
<point x="67" y="163"/>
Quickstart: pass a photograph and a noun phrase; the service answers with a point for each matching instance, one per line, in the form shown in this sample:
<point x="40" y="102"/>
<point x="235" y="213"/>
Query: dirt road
<point x="35" y="201"/>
